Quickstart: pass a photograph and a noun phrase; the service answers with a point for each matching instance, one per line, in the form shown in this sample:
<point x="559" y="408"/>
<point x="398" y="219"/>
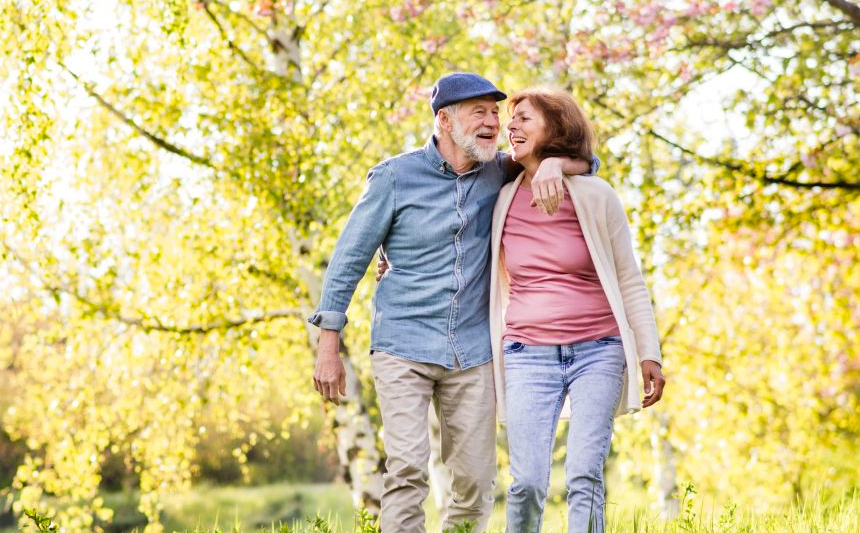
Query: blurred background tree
<point x="175" y="175"/>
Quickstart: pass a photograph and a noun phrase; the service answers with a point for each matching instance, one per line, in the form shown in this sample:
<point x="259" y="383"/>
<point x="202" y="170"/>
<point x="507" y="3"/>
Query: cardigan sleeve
<point x="634" y="292"/>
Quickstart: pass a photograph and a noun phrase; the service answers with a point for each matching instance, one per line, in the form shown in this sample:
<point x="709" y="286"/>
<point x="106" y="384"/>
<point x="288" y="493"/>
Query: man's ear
<point x="444" y="120"/>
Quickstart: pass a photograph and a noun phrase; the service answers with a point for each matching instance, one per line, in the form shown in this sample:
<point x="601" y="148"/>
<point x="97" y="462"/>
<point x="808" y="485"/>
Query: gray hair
<point x="451" y="110"/>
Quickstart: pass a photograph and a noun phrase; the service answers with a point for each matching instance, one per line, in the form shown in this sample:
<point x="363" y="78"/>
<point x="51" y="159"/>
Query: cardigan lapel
<point x="501" y="213"/>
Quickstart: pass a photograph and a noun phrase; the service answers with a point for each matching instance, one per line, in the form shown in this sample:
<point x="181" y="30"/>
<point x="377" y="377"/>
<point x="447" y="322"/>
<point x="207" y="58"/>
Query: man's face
<point x="476" y="128"/>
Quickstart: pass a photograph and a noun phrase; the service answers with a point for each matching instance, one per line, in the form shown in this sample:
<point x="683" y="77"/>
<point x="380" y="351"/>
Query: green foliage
<point x="43" y="523"/>
<point x="464" y="527"/>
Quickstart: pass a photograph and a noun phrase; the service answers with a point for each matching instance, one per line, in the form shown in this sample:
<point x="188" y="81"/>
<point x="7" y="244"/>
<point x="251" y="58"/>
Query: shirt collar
<point x="439" y="163"/>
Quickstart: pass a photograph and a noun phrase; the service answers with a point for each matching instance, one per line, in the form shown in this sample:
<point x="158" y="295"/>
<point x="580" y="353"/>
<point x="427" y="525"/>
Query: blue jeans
<point x="537" y="379"/>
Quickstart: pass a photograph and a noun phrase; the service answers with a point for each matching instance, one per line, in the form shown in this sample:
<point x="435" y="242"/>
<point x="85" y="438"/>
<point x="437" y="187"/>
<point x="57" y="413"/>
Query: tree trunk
<point x="664" y="469"/>
<point x="357" y="444"/>
<point x="357" y="438"/>
<point x="361" y="463"/>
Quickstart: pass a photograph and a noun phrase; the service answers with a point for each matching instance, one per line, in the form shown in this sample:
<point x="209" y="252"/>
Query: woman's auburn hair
<point x="568" y="130"/>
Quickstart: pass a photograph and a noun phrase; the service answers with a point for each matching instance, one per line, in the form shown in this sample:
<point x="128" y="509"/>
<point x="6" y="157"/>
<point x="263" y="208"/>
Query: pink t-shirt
<point x="556" y="296"/>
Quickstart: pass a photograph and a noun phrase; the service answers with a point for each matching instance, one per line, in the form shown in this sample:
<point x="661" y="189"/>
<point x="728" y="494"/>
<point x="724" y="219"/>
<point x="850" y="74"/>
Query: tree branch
<point x="242" y="16"/>
<point x="742" y="167"/>
<point x="218" y="325"/>
<point x="750" y="41"/>
<point x="735" y="165"/>
<point x="230" y="42"/>
<point x="152" y="323"/>
<point x="849" y="8"/>
<point x="158" y="141"/>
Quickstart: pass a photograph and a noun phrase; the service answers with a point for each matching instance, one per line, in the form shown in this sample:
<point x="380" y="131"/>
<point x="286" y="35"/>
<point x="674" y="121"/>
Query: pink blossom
<point x="808" y="160"/>
<point x="685" y="74"/>
<point x="415" y="7"/>
<point x="760" y="7"/>
<point x="418" y="92"/>
<point x="647" y="14"/>
<point x="668" y="21"/>
<point x="397" y="14"/>
<point x="465" y="12"/>
<point x="433" y="44"/>
<point x="842" y="130"/>
<point x="574" y="48"/>
<point x="731" y="6"/>
<point x="696" y="8"/>
<point x="659" y="34"/>
<point x="264" y="8"/>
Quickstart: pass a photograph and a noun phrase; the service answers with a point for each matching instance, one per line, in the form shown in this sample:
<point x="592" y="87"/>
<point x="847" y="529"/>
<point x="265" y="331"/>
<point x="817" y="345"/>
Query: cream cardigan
<point x="607" y="235"/>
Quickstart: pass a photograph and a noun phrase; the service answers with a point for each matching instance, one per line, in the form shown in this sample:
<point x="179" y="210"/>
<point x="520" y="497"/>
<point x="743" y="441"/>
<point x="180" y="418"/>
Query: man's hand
<point x="329" y="374"/>
<point x="381" y="269"/>
<point x="654" y="381"/>
<point x="547" y="187"/>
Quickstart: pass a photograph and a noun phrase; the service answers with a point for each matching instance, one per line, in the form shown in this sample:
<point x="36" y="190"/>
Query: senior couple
<point x="511" y="287"/>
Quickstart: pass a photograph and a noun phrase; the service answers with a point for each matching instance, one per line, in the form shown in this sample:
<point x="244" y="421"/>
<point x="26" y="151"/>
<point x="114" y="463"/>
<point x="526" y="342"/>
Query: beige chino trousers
<point x="465" y="404"/>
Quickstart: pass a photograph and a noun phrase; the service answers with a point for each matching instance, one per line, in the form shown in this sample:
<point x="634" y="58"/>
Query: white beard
<point x="469" y="144"/>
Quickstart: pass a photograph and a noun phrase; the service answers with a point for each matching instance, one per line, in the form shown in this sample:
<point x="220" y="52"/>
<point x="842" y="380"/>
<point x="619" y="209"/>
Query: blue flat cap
<point x="459" y="86"/>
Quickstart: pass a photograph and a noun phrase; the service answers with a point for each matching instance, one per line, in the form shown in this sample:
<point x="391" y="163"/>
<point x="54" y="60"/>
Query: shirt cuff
<point x="328" y="320"/>
<point x="595" y="165"/>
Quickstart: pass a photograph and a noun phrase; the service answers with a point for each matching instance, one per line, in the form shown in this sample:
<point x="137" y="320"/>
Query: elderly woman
<point x="570" y="317"/>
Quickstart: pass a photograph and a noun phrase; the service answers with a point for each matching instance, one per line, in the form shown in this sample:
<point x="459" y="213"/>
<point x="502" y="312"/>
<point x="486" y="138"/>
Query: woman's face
<point x="525" y="131"/>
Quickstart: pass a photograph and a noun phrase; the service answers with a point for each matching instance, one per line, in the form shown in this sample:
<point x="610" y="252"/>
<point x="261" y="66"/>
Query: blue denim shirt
<point x="434" y="228"/>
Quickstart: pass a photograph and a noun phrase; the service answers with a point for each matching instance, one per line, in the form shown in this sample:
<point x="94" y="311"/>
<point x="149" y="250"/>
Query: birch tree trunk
<point x="357" y="444"/>
<point x="357" y="438"/>
<point x="665" y="473"/>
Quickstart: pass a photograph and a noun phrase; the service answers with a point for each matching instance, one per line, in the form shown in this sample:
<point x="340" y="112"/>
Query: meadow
<point x="326" y="508"/>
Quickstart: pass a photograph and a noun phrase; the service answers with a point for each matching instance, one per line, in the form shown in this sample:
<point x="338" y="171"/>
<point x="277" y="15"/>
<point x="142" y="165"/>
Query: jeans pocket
<point x="513" y="347"/>
<point x="612" y="340"/>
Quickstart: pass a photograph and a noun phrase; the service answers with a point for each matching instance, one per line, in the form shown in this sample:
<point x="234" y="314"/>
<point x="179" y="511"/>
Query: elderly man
<point x="430" y="210"/>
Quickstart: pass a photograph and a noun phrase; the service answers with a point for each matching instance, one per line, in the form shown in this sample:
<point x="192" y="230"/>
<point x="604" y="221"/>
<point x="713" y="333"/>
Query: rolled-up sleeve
<point x="595" y="165"/>
<point x="365" y="230"/>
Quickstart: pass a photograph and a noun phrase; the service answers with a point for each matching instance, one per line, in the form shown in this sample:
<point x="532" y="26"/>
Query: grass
<point x="288" y="508"/>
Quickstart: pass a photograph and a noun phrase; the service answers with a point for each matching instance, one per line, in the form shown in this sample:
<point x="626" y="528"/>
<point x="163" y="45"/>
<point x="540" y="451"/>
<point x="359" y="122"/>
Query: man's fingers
<point x="536" y="203"/>
<point x="342" y="385"/>
<point x="559" y="189"/>
<point x="545" y="196"/>
<point x="381" y="268"/>
<point x="551" y="200"/>
<point x="329" y="392"/>
<point x="553" y="195"/>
